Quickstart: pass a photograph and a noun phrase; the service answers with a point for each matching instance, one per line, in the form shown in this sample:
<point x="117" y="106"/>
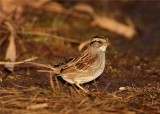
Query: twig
<point x="19" y="86"/>
<point x="58" y="85"/>
<point x="49" y="35"/>
<point x="10" y="27"/>
<point x="51" y="81"/>
<point x="43" y="65"/>
<point x="20" y="62"/>
<point x="39" y="33"/>
<point x="83" y="44"/>
<point x="37" y="106"/>
<point x="46" y="71"/>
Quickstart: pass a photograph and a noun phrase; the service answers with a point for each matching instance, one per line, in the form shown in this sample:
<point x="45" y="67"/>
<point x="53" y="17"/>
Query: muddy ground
<point x="133" y="64"/>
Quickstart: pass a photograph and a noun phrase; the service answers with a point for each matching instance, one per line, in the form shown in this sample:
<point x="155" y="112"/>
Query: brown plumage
<point x="85" y="67"/>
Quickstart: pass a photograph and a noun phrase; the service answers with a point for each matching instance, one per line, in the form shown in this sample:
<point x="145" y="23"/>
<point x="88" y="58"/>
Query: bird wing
<point x="80" y="63"/>
<point x="64" y="63"/>
<point x="85" y="61"/>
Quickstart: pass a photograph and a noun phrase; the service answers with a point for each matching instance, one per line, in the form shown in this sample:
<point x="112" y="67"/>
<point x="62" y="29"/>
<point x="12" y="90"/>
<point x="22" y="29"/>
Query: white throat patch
<point x="103" y="48"/>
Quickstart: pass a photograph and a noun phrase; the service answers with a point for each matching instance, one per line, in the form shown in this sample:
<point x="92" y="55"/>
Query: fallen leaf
<point x="83" y="45"/>
<point x="112" y="25"/>
<point x="84" y="8"/>
<point x="37" y="106"/>
<point x="11" y="53"/>
<point x="11" y="50"/>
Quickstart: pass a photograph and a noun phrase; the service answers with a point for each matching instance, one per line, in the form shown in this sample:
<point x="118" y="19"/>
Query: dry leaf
<point x="112" y="25"/>
<point x="11" y="50"/>
<point x="16" y="7"/>
<point x="11" y="8"/>
<point x="47" y="5"/>
<point x="54" y="6"/>
<point x="84" y="8"/>
<point x="37" y="106"/>
<point x="36" y="3"/>
<point x="11" y="53"/>
<point x="8" y="6"/>
<point x="83" y="45"/>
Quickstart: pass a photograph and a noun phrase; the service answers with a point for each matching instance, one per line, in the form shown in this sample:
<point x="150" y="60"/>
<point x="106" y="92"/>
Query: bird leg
<point x="78" y="85"/>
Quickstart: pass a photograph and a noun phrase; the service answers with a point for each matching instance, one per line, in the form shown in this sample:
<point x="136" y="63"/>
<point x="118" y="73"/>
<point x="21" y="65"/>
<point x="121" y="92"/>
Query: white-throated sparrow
<point x="85" y="67"/>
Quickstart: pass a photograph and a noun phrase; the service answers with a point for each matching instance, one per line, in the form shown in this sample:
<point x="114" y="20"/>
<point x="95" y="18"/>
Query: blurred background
<point x="56" y="30"/>
<point x="55" y="26"/>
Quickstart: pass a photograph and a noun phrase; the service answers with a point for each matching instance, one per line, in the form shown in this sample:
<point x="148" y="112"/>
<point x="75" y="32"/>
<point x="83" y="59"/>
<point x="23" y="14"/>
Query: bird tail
<point x="52" y="69"/>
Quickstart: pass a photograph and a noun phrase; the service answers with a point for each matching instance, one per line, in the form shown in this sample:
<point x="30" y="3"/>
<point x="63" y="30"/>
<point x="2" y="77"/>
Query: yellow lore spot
<point x="99" y="39"/>
<point x="103" y="40"/>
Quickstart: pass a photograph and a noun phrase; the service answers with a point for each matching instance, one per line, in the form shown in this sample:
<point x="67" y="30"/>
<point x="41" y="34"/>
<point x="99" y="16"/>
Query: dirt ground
<point x="130" y="64"/>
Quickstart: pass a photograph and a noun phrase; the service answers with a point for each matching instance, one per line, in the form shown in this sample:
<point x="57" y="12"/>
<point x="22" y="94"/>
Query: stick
<point x="19" y="62"/>
<point x="42" y="65"/>
<point x="46" y="71"/>
<point x="51" y="81"/>
<point x="49" y="35"/>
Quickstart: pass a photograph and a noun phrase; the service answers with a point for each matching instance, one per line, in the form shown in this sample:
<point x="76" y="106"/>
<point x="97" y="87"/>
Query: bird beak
<point x="107" y="43"/>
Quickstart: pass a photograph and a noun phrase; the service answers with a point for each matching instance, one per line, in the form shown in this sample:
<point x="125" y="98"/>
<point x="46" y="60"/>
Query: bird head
<point x="100" y="42"/>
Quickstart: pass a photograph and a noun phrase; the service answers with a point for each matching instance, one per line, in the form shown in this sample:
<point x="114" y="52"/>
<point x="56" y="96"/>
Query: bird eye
<point x="99" y="42"/>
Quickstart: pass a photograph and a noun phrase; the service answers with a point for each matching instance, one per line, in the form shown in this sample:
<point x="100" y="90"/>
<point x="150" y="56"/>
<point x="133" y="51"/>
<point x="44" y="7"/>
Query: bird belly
<point x="91" y="76"/>
<point x="92" y="73"/>
<point x="67" y="79"/>
<point x="83" y="77"/>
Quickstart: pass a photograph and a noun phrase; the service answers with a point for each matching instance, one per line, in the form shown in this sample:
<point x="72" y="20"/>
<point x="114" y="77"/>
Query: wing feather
<point x="80" y="63"/>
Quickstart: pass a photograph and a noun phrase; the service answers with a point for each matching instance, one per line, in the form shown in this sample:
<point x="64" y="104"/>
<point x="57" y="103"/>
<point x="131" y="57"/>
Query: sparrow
<point x="86" y="66"/>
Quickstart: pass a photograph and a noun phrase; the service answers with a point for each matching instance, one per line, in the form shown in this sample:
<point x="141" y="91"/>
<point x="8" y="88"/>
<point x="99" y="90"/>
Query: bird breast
<point x="91" y="73"/>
